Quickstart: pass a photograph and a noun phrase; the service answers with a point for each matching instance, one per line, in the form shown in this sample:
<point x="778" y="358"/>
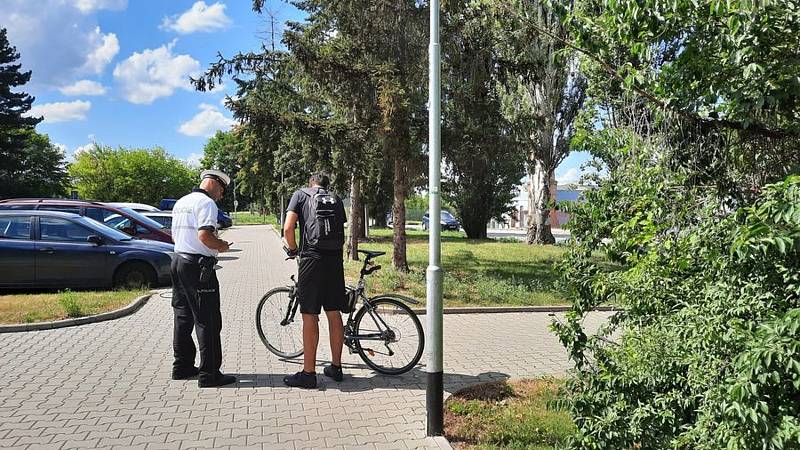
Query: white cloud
<point x="61" y="111"/>
<point x="84" y="148"/>
<point x="88" y="6"/>
<point x="573" y="175"/>
<point x="57" y="40"/>
<point x="194" y="159"/>
<point x="200" y="17"/>
<point x="61" y="147"/>
<point x="155" y="73"/>
<point x="206" y="122"/>
<point x="84" y="87"/>
<point x="105" y="48"/>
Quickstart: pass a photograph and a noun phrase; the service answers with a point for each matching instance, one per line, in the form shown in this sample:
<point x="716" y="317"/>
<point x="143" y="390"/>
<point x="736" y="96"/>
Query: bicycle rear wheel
<point x="286" y="340"/>
<point x="401" y="343"/>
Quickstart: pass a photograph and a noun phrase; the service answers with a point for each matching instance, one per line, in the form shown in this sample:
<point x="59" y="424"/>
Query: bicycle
<point x="279" y="306"/>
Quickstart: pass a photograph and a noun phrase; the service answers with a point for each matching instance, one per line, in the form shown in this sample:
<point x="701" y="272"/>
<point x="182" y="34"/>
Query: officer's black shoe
<point x="334" y="372"/>
<point x="219" y="380"/>
<point x="185" y="374"/>
<point x="301" y="379"/>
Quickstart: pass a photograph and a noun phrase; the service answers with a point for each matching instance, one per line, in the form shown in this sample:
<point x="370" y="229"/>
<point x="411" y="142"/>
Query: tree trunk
<point x="355" y="218"/>
<point x="399" y="216"/>
<point x="554" y="223"/>
<point x="474" y="221"/>
<point x="539" y="231"/>
<point x="365" y="227"/>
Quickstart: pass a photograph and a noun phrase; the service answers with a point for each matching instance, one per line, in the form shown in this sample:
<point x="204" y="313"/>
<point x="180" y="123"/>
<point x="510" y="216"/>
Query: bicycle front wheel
<point x="284" y="340"/>
<point x="389" y="336"/>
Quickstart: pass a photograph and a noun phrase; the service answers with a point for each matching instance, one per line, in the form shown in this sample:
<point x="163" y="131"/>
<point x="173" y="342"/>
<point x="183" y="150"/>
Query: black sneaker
<point x="219" y="380"/>
<point x="334" y="372"/>
<point x="185" y="374"/>
<point x="301" y="379"/>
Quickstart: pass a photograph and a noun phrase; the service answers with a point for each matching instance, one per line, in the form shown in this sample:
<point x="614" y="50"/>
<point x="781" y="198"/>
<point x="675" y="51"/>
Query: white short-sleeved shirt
<point x="193" y="212"/>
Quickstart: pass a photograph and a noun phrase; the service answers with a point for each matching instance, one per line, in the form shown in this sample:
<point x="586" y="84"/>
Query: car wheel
<point x="134" y="275"/>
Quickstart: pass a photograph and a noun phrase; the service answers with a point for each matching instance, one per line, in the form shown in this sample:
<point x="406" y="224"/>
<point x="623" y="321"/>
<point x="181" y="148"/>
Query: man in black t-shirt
<point x="320" y="282"/>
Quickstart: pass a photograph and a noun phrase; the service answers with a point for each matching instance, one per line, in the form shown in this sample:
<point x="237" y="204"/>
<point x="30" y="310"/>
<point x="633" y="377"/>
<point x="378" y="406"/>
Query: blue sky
<point x="116" y="72"/>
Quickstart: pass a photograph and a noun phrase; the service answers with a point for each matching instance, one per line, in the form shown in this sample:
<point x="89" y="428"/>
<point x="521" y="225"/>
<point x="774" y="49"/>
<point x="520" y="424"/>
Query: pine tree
<point x="14" y="128"/>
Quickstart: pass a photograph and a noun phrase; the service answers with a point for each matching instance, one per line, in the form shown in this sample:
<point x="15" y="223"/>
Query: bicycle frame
<point x="385" y="334"/>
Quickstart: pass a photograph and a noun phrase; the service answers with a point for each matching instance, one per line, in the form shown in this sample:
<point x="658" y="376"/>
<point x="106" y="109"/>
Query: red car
<point x="123" y="219"/>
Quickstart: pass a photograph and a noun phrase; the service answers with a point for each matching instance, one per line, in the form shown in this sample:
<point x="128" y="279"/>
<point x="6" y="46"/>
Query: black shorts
<point x="320" y="283"/>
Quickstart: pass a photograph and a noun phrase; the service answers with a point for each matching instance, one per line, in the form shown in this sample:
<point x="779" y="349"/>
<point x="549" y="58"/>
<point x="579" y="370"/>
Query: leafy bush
<point x="705" y="354"/>
<point x="72" y="306"/>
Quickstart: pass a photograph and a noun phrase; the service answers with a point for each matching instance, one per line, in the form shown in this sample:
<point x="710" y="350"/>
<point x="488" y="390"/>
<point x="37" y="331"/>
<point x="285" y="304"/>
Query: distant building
<point x="519" y="216"/>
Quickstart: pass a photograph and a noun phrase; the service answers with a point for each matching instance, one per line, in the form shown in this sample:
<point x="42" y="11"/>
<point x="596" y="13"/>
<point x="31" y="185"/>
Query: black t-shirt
<point x="297" y="205"/>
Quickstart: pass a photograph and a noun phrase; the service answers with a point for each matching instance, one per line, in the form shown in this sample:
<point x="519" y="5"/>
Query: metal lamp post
<point x="434" y="396"/>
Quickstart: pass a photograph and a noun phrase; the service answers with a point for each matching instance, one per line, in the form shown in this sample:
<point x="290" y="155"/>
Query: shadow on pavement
<point x="414" y="379"/>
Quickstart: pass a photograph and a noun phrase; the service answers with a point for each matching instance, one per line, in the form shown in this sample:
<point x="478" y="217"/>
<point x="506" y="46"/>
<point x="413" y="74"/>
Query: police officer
<point x="320" y="280"/>
<point x="195" y="289"/>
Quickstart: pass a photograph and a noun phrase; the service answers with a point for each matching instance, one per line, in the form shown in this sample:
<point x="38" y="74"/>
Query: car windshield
<point x="104" y="230"/>
<point x="113" y="221"/>
<point x="447" y="216"/>
<point x="144" y="219"/>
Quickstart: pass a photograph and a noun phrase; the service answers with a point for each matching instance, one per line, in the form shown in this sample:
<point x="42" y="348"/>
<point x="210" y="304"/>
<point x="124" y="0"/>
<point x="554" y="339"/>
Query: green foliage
<point x="485" y="161"/>
<point x="131" y="175"/>
<point x="71" y="303"/>
<point x="39" y="170"/>
<point x="29" y="164"/>
<point x="705" y="353"/>
<point x="223" y="151"/>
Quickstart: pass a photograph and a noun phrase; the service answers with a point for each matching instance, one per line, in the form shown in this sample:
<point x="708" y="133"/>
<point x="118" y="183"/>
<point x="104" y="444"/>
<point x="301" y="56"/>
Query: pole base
<point x="434" y="403"/>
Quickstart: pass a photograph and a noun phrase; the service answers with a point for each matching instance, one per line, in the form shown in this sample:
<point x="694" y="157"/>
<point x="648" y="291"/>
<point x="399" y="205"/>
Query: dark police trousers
<point x="196" y="305"/>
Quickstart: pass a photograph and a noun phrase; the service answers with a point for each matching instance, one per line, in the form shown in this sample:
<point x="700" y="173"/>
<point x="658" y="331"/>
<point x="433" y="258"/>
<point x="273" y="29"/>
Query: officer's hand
<point x="225" y="247"/>
<point x="289" y="252"/>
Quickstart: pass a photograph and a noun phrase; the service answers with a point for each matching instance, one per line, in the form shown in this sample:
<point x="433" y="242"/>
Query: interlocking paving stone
<point x="108" y="384"/>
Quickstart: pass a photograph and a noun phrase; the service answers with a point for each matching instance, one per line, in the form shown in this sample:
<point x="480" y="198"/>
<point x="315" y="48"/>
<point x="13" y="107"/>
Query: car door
<point x="17" y="251"/>
<point x="65" y="258"/>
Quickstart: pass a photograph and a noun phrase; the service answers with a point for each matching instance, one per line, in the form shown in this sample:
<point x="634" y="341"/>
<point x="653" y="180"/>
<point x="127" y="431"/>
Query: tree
<point x="369" y="59"/>
<point x="542" y="95"/>
<point x="14" y="126"/>
<point x="350" y="95"/>
<point x="42" y="171"/>
<point x="131" y="175"/>
<point x="724" y="70"/>
<point x="223" y="151"/>
<point x="697" y="214"/>
<point x="483" y="160"/>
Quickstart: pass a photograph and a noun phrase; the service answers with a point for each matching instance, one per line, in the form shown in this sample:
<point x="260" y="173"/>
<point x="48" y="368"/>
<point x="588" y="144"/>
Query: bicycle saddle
<point x="371" y="254"/>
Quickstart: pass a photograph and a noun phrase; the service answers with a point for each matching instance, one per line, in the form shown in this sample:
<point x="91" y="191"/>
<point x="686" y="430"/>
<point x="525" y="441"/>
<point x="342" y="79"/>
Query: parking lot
<point x="108" y="384"/>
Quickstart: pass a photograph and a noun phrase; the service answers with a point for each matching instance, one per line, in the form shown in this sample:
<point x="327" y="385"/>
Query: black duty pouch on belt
<point x="207" y="264"/>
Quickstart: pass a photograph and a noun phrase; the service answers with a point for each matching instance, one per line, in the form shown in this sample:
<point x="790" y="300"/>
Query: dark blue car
<point x="49" y="249"/>
<point x="448" y="222"/>
<point x="223" y="219"/>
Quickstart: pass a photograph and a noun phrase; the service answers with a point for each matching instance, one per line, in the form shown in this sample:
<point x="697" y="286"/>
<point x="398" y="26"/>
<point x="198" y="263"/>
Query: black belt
<point x="193" y="257"/>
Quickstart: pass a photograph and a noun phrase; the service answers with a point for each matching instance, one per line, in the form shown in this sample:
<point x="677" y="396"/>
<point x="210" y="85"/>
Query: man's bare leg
<point x="310" y="341"/>
<point x="336" y="329"/>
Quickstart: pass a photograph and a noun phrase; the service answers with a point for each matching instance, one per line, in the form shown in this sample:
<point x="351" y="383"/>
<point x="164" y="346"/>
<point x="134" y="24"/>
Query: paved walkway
<point x="108" y="384"/>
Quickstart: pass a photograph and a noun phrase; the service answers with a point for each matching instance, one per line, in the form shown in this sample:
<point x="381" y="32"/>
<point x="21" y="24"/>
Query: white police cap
<point x="216" y="174"/>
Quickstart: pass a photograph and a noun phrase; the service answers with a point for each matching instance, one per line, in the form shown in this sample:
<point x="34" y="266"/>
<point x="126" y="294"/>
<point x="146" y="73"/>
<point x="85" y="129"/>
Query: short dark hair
<point x="320" y="179"/>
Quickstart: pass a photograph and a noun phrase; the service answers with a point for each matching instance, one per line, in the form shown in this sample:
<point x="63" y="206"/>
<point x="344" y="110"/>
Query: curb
<point x="440" y="442"/>
<point x="511" y="309"/>
<point x="116" y="314"/>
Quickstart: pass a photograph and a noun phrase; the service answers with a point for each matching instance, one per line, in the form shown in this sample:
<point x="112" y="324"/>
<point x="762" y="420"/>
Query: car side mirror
<point x="94" y="239"/>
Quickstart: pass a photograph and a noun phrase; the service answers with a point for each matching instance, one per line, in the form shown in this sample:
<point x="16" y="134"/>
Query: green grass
<point x="529" y="414"/>
<point x="476" y="272"/>
<point x="245" y="218"/>
<point x="43" y="307"/>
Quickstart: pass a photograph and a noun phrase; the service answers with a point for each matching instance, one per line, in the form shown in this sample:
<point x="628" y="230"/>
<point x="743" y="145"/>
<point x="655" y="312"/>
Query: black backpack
<point x="323" y="228"/>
